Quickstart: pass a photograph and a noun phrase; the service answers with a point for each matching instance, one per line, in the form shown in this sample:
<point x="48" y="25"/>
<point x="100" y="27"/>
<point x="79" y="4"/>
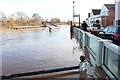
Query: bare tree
<point x="37" y="20"/>
<point x="3" y="19"/>
<point x="2" y="16"/>
<point x="21" y="15"/>
<point x="21" y="18"/>
<point x="55" y="20"/>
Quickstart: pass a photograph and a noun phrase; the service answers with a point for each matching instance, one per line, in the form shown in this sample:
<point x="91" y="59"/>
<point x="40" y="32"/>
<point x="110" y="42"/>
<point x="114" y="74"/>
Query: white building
<point x="93" y="16"/>
<point x="117" y="12"/>
<point x="104" y="11"/>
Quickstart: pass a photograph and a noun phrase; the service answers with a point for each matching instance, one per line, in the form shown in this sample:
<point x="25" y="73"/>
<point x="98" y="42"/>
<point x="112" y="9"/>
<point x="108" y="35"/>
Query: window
<point x="106" y="29"/>
<point x="110" y="30"/>
<point x="119" y="30"/>
<point x="114" y="30"/>
<point x="111" y="61"/>
<point x="118" y="22"/>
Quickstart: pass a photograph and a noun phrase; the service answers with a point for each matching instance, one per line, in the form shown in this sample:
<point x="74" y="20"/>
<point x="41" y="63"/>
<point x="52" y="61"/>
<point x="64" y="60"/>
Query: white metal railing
<point x="101" y="52"/>
<point x="111" y="59"/>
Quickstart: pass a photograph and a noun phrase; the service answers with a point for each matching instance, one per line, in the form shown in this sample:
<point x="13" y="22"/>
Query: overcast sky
<point x="52" y="8"/>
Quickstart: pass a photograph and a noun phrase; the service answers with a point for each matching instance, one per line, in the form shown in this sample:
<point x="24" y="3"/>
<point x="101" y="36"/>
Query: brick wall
<point x="105" y="21"/>
<point x="108" y="20"/>
<point x="111" y="17"/>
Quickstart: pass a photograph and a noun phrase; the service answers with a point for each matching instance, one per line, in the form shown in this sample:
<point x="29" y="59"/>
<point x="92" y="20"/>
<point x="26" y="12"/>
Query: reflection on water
<point x="37" y="49"/>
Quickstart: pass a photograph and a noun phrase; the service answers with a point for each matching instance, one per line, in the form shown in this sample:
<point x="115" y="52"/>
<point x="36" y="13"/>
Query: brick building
<point x="108" y="14"/>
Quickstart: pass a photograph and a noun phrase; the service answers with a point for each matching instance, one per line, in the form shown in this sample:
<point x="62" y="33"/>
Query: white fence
<point x="100" y="52"/>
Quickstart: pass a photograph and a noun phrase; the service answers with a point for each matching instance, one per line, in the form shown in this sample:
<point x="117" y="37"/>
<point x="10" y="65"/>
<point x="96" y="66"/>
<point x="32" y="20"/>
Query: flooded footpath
<point x="38" y="49"/>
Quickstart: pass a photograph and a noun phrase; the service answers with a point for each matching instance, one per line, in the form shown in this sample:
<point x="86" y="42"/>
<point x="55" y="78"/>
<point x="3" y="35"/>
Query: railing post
<point x="84" y="40"/>
<point x="99" y="55"/>
<point x="118" y="62"/>
<point x="85" y="45"/>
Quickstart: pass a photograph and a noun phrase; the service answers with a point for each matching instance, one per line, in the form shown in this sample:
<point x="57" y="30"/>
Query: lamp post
<point x="73" y="12"/>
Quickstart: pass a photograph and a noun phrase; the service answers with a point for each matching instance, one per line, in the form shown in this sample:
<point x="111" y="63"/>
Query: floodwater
<point x="38" y="49"/>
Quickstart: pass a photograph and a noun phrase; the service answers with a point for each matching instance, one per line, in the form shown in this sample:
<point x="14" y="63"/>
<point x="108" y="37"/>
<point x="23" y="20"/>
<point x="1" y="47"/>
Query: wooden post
<point x="49" y="29"/>
<point x="79" y="20"/>
<point x="71" y="27"/>
<point x="70" y="23"/>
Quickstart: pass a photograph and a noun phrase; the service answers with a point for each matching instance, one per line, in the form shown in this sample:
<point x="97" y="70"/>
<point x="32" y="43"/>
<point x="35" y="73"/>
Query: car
<point x="111" y="33"/>
<point x="94" y="29"/>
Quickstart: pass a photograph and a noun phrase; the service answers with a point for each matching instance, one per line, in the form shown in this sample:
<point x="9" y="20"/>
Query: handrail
<point x="51" y="23"/>
<point x="38" y="72"/>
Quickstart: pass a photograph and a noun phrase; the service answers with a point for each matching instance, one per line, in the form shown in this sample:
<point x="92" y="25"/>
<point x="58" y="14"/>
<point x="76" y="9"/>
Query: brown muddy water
<point x="37" y="49"/>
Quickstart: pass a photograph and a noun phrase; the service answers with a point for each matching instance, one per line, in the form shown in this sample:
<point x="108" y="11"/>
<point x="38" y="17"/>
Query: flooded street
<point x="37" y="49"/>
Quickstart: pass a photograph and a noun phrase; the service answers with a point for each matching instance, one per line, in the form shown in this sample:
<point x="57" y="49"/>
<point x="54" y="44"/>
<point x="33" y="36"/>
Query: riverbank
<point x="4" y="30"/>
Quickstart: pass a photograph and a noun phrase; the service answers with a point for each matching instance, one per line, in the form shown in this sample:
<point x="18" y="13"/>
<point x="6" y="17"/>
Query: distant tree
<point x="11" y="19"/>
<point x="21" y="15"/>
<point x="55" y="20"/>
<point x="21" y="18"/>
<point x="3" y="19"/>
<point x="68" y="22"/>
<point x="2" y="16"/>
<point x="36" y="19"/>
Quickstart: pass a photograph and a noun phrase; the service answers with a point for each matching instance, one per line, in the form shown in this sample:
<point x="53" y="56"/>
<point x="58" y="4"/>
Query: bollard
<point x="71" y="27"/>
<point x="70" y="23"/>
<point x="82" y="68"/>
<point x="49" y="29"/>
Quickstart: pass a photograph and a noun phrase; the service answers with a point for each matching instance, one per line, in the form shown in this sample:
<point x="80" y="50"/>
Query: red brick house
<point x="108" y="14"/>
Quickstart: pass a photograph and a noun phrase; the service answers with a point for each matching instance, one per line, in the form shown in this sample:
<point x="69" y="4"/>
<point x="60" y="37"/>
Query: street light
<point x="73" y="11"/>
